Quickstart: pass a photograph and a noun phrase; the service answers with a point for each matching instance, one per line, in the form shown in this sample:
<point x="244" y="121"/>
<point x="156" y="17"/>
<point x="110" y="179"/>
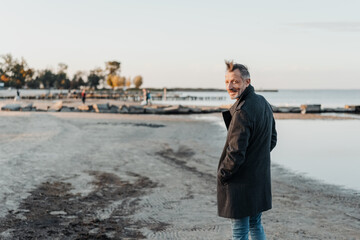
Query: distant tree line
<point x="17" y="74"/>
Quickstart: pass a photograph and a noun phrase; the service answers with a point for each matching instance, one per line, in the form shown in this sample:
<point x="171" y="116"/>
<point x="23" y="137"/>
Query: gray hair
<point x="231" y="66"/>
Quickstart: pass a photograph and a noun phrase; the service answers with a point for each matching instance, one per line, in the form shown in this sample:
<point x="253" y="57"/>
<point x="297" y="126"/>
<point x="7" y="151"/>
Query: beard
<point x="239" y="92"/>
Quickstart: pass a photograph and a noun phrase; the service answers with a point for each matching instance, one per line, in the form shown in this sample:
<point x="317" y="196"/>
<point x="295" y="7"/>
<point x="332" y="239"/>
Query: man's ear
<point x="248" y="81"/>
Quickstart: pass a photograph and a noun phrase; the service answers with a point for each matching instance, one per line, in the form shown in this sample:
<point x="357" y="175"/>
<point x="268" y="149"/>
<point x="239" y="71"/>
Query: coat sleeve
<point x="273" y="135"/>
<point x="238" y="138"/>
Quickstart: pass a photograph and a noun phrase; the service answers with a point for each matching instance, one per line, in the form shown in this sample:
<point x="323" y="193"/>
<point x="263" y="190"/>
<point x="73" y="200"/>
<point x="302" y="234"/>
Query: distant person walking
<point x="17" y="97"/>
<point x="243" y="176"/>
<point x="148" y="98"/>
<point x="83" y="96"/>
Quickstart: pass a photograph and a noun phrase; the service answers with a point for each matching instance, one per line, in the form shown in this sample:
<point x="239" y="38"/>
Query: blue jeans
<point x="241" y="226"/>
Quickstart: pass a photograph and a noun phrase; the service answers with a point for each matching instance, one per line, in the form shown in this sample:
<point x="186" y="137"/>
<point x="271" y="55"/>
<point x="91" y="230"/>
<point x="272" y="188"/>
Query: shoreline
<point x="168" y="194"/>
<point x="278" y="116"/>
<point x="134" y="107"/>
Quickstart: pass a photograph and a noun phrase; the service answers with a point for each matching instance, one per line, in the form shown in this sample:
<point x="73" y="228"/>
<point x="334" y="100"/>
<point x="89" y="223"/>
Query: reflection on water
<point x="327" y="150"/>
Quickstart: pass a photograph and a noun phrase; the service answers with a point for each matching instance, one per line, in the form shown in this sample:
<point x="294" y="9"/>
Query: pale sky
<point x="286" y="44"/>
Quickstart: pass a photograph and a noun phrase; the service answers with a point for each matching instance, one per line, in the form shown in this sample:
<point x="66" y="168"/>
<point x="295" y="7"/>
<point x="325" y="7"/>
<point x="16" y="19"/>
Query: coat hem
<point x="245" y="215"/>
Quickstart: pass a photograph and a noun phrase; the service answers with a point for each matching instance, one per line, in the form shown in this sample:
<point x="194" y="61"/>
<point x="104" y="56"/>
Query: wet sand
<point x="112" y="176"/>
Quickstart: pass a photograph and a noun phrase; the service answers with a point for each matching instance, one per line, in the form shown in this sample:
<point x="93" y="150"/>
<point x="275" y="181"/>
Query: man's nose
<point x="230" y="85"/>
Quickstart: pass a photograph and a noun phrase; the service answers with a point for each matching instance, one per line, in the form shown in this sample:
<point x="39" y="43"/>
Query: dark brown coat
<point x="244" y="185"/>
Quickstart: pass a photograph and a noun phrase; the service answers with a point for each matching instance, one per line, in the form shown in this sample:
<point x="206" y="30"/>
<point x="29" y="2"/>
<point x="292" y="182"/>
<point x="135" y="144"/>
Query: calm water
<point x="327" y="150"/>
<point x="328" y="98"/>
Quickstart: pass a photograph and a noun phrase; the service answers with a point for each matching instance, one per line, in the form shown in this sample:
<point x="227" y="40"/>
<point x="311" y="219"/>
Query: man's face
<point x="234" y="83"/>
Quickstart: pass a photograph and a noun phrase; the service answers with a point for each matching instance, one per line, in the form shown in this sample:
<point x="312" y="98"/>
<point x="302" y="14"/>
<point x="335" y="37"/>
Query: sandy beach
<point x="114" y="176"/>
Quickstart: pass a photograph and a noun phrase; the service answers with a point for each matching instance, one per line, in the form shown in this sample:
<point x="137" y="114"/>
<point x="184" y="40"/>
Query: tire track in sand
<point x="176" y="205"/>
<point x="177" y="159"/>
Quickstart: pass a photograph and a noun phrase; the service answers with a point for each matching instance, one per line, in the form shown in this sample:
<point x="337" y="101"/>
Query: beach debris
<point x="166" y="109"/>
<point x="350" y="106"/>
<point x="212" y="109"/>
<point x="94" y="231"/>
<point x="355" y="108"/>
<point x="310" y="108"/>
<point x="84" y="108"/>
<point x="195" y="110"/>
<point x="27" y="107"/>
<point x="114" y="109"/>
<point x="183" y="110"/>
<point x="41" y="106"/>
<point x="11" y="107"/>
<point x="288" y="109"/>
<point x="58" y="213"/>
<point x="56" y="107"/>
<point x="154" y="110"/>
<point x="337" y="110"/>
<point x="67" y="109"/>
<point x="172" y="109"/>
<point x="124" y="109"/>
<point x="101" y="108"/>
<point x="136" y="109"/>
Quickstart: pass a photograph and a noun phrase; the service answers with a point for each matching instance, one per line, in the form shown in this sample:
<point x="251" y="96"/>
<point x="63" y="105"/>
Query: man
<point x="148" y="98"/>
<point x="83" y="96"/>
<point x="244" y="185"/>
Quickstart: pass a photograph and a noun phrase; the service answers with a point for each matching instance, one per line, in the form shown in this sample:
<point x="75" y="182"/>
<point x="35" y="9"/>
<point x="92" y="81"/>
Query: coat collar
<point x="227" y="115"/>
<point x="239" y="102"/>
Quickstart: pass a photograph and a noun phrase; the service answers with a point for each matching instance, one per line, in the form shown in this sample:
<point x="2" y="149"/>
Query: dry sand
<point x="112" y="176"/>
